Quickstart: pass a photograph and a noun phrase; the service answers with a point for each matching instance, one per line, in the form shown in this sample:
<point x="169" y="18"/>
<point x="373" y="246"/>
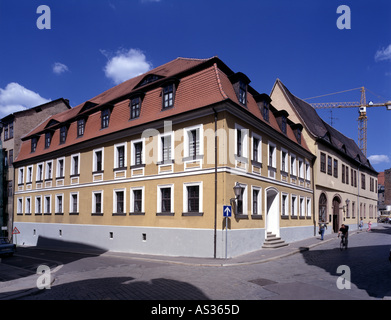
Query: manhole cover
<point x="262" y="282"/>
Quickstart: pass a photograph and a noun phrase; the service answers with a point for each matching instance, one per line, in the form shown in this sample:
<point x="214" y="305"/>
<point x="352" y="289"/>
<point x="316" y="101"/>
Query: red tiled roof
<point x="203" y="87"/>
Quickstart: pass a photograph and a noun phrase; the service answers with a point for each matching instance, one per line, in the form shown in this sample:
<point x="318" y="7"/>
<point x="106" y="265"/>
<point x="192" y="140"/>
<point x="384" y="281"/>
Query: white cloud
<point x="383" y="54"/>
<point x="16" y="98"/>
<point x="126" y="64"/>
<point x="376" y="159"/>
<point x="59" y="68"/>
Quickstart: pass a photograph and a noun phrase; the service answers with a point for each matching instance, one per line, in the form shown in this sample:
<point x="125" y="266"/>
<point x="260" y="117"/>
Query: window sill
<point x="97" y="214"/>
<point x="285" y="217"/>
<point x="137" y="166"/>
<point x="256" y="217"/>
<point x="165" y="213"/>
<point x="137" y="213"/>
<point x="192" y="214"/>
<point x="119" y="213"/>
<point x="73" y="213"/>
<point x="59" y="213"/>
<point x="119" y="169"/>
<point x="241" y="216"/>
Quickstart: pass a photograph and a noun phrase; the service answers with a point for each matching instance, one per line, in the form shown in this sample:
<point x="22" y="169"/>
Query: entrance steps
<point x="272" y="242"/>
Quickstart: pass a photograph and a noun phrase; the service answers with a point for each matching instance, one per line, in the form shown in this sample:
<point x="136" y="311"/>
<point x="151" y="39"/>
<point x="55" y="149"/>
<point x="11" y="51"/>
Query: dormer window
<point x="168" y="96"/>
<point x="135" y="106"/>
<point x="34" y="142"/>
<point x="105" y="117"/>
<point x="80" y="127"/>
<point x="242" y="93"/>
<point x="265" y="111"/>
<point x="298" y="135"/>
<point x="63" y="134"/>
<point x="283" y="124"/>
<point x="48" y="139"/>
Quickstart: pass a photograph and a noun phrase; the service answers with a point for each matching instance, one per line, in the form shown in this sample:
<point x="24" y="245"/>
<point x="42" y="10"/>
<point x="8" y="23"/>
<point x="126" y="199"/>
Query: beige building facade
<point x="345" y="181"/>
<point x="147" y="167"/>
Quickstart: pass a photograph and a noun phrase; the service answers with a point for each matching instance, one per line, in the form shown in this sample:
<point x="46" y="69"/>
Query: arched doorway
<point x="322" y="208"/>
<point x="336" y="205"/>
<point x="272" y="211"/>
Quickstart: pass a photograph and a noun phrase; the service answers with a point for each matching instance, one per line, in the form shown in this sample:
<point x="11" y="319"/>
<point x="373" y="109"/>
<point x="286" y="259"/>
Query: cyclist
<point x="344" y="231"/>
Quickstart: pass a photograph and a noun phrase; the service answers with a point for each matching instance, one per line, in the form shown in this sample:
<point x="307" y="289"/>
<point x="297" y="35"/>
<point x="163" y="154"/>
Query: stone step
<point x="272" y="241"/>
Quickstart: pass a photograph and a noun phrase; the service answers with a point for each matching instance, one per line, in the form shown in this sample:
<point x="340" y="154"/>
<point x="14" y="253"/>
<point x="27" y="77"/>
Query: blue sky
<point x="91" y="43"/>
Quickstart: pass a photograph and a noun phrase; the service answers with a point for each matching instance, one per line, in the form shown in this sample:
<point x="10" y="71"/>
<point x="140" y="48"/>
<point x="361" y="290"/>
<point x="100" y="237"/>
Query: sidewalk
<point x="15" y="289"/>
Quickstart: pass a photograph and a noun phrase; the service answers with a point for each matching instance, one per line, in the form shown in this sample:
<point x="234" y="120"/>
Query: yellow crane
<point x="362" y="111"/>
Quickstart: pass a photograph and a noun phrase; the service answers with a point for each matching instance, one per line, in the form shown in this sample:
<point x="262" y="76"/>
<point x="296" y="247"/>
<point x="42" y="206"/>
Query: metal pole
<point x="226" y="237"/>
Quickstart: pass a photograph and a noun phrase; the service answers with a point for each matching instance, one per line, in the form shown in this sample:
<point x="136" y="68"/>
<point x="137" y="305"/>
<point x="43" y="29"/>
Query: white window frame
<point x="159" y="197"/>
<point x="244" y="142"/>
<point x="259" y="200"/>
<point x="21" y="175"/>
<point x="133" y="151"/>
<point x="48" y="196"/>
<point x="37" y="211"/>
<point x="71" y="202"/>
<point x="307" y="171"/>
<point x="309" y="208"/>
<point x="123" y="190"/>
<point x="274" y="155"/>
<point x="160" y="145"/>
<point x="200" y="196"/>
<point x="116" y="155"/>
<point x="244" y="200"/>
<point x="57" y="203"/>
<point x="48" y="174"/>
<point x="302" y="206"/>
<point x="73" y="172"/>
<point x="186" y="131"/>
<point x="58" y="168"/>
<point x="295" y="202"/>
<point x="39" y="177"/>
<point x="293" y="165"/>
<point x="259" y="154"/>
<point x="132" y="198"/>
<point x="286" y="168"/>
<point x="29" y="174"/>
<point x="94" y="160"/>
<point x="301" y="168"/>
<point x="94" y="202"/>
<point x="286" y="204"/>
<point x="19" y="206"/>
<point x="27" y="203"/>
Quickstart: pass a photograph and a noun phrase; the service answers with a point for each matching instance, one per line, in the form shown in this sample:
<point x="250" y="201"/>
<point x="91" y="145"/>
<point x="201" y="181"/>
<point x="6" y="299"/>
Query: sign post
<point x="227" y="212"/>
<point x="15" y="232"/>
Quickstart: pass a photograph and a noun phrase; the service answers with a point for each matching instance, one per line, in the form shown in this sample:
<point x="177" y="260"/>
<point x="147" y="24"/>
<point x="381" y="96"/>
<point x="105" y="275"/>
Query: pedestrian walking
<point x="361" y="224"/>
<point x="369" y="226"/>
<point x="322" y="229"/>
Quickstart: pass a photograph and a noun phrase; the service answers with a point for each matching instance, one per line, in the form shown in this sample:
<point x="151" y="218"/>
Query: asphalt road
<point x="311" y="274"/>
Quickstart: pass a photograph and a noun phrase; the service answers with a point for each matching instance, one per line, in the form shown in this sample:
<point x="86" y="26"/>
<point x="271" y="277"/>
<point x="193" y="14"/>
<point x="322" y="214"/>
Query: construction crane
<point x="362" y="111"/>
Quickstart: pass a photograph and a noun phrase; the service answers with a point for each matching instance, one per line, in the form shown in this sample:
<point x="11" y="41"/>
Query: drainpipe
<point x="358" y="197"/>
<point x="215" y="218"/>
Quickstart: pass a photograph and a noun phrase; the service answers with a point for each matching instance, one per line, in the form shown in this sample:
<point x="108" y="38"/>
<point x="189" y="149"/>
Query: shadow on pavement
<point x="369" y="266"/>
<point x="121" y="288"/>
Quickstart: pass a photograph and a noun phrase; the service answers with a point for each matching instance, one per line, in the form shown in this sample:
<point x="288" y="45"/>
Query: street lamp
<point x="237" y="190"/>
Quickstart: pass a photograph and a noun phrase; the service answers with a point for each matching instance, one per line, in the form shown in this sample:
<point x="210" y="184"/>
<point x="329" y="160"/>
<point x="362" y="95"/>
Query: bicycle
<point x="343" y="243"/>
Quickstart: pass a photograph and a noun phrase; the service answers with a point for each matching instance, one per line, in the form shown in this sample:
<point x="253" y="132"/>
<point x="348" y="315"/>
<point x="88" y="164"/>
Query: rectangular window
<point x="74" y="203"/>
<point x="309" y="207"/>
<point x="137" y="153"/>
<point x="272" y="156"/>
<point x="256" y="201"/>
<point x="363" y="181"/>
<point x="351" y="178"/>
<point x="21" y="176"/>
<point x="34" y="142"/>
<point x="60" y="168"/>
<point x="293" y="165"/>
<point x="39" y="176"/>
<point x="38" y="205"/>
<point x="343" y="173"/>
<point x="166" y="147"/>
<point x="265" y="111"/>
<point x="120" y="156"/>
<point x="242" y="93"/>
<point x="239" y="143"/>
<point x="166" y="199"/>
<point x="301" y="169"/>
<point x="284" y="205"/>
<point x="284" y="160"/>
<point x="257" y="148"/>
<point x="241" y="202"/>
<point x="19" y="209"/>
<point x="168" y="96"/>
<point x="29" y="176"/>
<point x="48" y="170"/>
<point x="193" y="198"/>
<point x="80" y="127"/>
<point x="347" y="175"/>
<point x="135" y="107"/>
<point x="194" y="142"/>
<point x="98" y="160"/>
<point x="335" y="168"/>
<point x="105" y="117"/>
<point x="137" y="205"/>
<point x="322" y="162"/>
<point x="28" y="206"/>
<point x="294" y="206"/>
<point x="59" y="203"/>
<point x="301" y="207"/>
<point x="48" y="206"/>
<point x="329" y="165"/>
<point x="97" y="202"/>
<point x="63" y="134"/>
<point x="119" y="201"/>
<point x="75" y="164"/>
<point x="48" y="139"/>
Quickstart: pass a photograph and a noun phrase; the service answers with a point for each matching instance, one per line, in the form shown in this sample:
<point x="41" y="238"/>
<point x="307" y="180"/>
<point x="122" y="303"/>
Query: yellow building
<point x="147" y="166"/>
<point x="345" y="189"/>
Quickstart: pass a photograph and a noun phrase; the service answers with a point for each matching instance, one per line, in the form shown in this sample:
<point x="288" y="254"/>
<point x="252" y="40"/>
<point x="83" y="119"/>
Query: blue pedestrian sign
<point x="227" y="211"/>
